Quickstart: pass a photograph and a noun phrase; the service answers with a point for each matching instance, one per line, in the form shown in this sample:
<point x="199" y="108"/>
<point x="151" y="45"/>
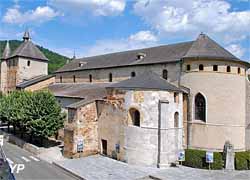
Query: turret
<point x="26" y="36"/>
<point x="7" y="51"/>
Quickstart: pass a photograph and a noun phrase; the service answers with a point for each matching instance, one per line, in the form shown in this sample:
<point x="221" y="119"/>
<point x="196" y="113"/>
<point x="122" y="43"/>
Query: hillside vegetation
<point x="55" y="60"/>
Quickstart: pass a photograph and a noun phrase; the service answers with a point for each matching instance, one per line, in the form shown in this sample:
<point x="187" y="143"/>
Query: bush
<point x="242" y="160"/>
<point x="197" y="159"/>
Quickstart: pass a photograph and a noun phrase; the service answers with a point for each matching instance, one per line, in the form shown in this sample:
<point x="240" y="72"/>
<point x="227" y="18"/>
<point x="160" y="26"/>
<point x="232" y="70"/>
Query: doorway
<point x="104" y="146"/>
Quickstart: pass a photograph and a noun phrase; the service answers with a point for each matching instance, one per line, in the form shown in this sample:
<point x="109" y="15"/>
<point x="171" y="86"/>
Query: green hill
<point x="55" y="60"/>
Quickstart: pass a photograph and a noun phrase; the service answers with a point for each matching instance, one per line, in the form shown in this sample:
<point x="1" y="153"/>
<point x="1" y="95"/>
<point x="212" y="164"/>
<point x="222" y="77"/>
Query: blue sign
<point x="181" y="155"/>
<point x="209" y="157"/>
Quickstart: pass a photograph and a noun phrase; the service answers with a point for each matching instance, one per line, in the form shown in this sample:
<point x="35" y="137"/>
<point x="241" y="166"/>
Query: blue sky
<point x="91" y="27"/>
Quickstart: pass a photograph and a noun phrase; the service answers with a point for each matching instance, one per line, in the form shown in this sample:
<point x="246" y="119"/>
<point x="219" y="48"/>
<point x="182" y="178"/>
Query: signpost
<point x="181" y="156"/>
<point x="1" y="140"/>
<point x="209" y="158"/>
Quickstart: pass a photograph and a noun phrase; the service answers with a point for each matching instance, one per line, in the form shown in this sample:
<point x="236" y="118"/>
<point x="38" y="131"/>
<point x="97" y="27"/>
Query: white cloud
<point x="95" y="7"/>
<point x="138" y="40"/>
<point x="39" y="15"/>
<point x="181" y="18"/>
<point x="143" y="36"/>
<point x="236" y="50"/>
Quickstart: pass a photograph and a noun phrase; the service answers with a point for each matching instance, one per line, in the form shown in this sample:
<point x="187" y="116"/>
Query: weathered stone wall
<point x="111" y="124"/>
<point x="12" y="65"/>
<point x="142" y="143"/>
<point x="139" y="145"/>
<point x="87" y="127"/>
<point x="36" y="68"/>
<point x="82" y="124"/>
<point x="225" y="94"/>
<point x="120" y="73"/>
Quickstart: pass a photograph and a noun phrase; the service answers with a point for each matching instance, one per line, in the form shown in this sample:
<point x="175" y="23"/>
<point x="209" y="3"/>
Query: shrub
<point x="197" y="159"/>
<point x="242" y="160"/>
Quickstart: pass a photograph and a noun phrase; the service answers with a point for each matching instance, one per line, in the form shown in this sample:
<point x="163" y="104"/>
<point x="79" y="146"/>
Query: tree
<point x="37" y="113"/>
<point x="45" y="114"/>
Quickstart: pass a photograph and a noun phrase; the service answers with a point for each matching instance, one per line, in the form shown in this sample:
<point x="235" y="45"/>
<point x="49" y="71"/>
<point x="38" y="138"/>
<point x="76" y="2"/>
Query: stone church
<point x="144" y="106"/>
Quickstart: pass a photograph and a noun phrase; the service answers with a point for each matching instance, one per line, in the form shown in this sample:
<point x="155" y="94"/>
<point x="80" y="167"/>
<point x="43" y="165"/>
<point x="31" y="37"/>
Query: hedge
<point x="197" y="159"/>
<point x="242" y="160"/>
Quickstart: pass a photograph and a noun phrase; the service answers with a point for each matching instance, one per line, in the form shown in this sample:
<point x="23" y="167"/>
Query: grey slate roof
<point x="206" y="47"/>
<point x="34" y="80"/>
<point x="81" y="90"/>
<point x="160" y="54"/>
<point x="203" y="47"/>
<point x="7" y="51"/>
<point x="147" y="81"/>
<point x="28" y="49"/>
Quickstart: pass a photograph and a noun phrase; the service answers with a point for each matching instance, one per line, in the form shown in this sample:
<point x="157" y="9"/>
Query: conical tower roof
<point x="7" y="51"/>
<point x="204" y="47"/>
<point x="28" y="49"/>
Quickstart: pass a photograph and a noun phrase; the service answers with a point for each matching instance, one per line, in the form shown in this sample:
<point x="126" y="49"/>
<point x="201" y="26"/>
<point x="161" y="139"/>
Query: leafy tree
<point x="37" y="113"/>
<point x="45" y="114"/>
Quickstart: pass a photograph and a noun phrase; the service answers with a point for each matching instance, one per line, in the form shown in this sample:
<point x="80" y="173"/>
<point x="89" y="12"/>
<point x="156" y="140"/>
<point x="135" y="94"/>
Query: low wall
<point x="21" y="143"/>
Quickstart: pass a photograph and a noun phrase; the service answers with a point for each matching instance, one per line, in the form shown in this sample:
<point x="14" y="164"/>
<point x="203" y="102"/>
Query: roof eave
<point x="40" y="59"/>
<point x="142" y="64"/>
<point x="145" y="89"/>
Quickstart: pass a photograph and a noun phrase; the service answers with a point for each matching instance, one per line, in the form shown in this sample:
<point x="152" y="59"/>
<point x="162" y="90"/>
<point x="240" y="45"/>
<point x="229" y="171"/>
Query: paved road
<point x="35" y="169"/>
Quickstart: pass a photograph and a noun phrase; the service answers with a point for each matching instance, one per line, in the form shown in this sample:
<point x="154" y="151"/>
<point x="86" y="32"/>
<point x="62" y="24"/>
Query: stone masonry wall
<point x="120" y="73"/>
<point x="82" y="124"/>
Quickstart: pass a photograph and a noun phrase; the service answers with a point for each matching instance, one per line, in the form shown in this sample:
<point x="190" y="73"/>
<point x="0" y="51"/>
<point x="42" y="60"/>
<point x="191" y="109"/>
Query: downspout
<point x="159" y="135"/>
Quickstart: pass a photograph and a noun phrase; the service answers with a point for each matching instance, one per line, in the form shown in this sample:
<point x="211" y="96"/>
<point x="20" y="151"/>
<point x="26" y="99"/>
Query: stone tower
<point x="25" y="63"/>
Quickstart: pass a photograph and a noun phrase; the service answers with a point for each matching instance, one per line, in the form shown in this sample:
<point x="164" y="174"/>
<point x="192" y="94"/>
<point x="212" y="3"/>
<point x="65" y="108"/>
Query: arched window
<point x="28" y="63"/>
<point x="200" y="107"/>
<point x="228" y="69"/>
<point x="133" y="74"/>
<point x="135" y="116"/>
<point x="74" y="78"/>
<point x="60" y="79"/>
<point x="188" y="67"/>
<point x="176" y="119"/>
<point x="90" y="78"/>
<point x="110" y="77"/>
<point x="165" y="74"/>
<point x="201" y="67"/>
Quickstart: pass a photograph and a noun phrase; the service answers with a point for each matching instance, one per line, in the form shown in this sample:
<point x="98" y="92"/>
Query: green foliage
<point x="197" y="159"/>
<point x="242" y="160"/>
<point x="55" y="60"/>
<point x="37" y="112"/>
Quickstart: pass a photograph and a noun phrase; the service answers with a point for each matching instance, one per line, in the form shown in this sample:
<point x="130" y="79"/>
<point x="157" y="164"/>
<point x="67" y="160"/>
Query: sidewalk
<point x="98" y="167"/>
<point x="102" y="168"/>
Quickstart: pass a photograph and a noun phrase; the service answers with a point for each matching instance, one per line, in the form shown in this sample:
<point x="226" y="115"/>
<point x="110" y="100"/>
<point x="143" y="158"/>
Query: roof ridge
<point x="132" y="50"/>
